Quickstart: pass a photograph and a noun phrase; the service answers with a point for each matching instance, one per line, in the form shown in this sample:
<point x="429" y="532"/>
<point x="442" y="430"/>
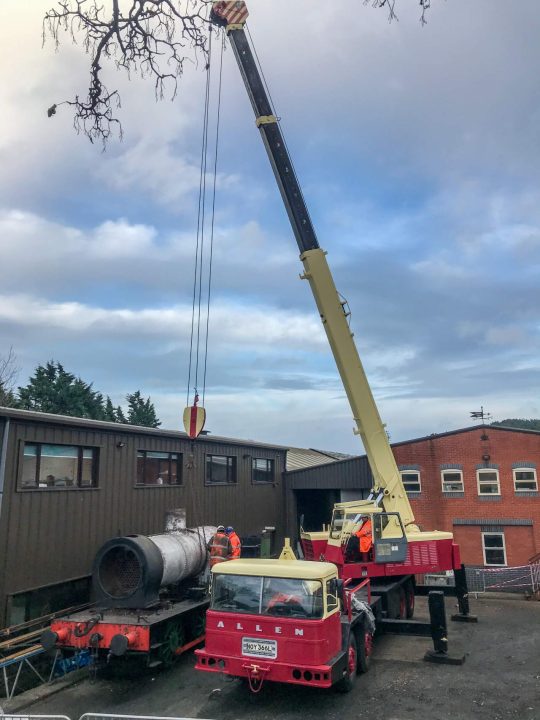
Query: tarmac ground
<point x="500" y="680"/>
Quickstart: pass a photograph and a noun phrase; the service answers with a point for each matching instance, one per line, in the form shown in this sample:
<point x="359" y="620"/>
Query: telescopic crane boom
<point x="367" y="538"/>
<point x="333" y="309"/>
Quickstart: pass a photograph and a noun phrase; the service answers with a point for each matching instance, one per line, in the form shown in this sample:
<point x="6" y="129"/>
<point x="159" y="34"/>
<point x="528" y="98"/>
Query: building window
<point x="411" y="481"/>
<point x="262" y="470"/>
<point x="452" y="480"/>
<point x="220" y="470"/>
<point x="58" y="466"/>
<point x="525" y="480"/>
<point x="159" y="468"/>
<point x="494" y="548"/>
<point x="488" y="482"/>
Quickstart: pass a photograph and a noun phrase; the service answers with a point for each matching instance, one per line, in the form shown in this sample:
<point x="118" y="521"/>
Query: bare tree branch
<point x="150" y="37"/>
<point x="9" y="371"/>
<point x="391" y="7"/>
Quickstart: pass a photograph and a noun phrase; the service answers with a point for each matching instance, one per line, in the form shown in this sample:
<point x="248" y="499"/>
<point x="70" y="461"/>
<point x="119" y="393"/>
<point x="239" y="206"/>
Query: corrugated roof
<point x="300" y="458"/>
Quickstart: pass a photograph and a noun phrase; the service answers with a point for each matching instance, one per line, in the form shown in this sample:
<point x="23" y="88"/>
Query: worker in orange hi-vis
<point x="235" y="548"/>
<point x="219" y="547"/>
<point x="365" y="536"/>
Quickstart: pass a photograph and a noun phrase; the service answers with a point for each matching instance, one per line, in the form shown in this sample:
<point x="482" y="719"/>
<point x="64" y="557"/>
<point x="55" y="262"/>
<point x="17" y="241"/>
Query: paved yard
<point x="500" y="680"/>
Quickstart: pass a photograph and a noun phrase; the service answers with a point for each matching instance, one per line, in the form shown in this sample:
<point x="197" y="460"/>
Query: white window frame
<point x="454" y="471"/>
<point x="486" y="470"/>
<point x="505" y="563"/>
<point x="411" y="472"/>
<point x="525" y="469"/>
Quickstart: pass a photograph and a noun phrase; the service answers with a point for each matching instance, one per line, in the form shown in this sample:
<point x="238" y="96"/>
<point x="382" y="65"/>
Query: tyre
<point x="409" y="599"/>
<point x="364" y="644"/>
<point x="346" y="683"/>
<point x="402" y="603"/>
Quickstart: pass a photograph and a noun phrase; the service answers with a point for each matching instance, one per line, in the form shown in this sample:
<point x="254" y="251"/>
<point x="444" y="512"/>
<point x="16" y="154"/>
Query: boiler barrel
<point x="183" y="553"/>
<point x="129" y="571"/>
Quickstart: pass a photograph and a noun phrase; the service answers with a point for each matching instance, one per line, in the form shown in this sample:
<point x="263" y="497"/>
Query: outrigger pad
<point x="443" y="658"/>
<point x="458" y="617"/>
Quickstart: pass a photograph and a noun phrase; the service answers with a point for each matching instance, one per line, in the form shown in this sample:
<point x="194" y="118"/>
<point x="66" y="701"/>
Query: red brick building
<point x="481" y="483"/>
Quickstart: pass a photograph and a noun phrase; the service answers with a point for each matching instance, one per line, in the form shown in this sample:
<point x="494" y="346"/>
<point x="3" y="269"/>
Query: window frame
<point x="233" y="470"/>
<point x="411" y="472"/>
<point x="503" y="548"/>
<point x="179" y="470"/>
<point x="272" y="472"/>
<point x="525" y="469"/>
<point x="491" y="482"/>
<point x="80" y="458"/>
<point x="455" y="471"/>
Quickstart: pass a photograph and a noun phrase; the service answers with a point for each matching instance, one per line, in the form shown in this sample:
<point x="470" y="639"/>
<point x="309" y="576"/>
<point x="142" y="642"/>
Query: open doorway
<point x="316" y="506"/>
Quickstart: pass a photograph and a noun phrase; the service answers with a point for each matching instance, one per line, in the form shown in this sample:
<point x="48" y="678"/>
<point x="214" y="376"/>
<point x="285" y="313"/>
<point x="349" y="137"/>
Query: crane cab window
<point x="387" y="525"/>
<point x="332" y="597"/>
<point x="338" y="517"/>
<point x="277" y="597"/>
<point x="343" y="522"/>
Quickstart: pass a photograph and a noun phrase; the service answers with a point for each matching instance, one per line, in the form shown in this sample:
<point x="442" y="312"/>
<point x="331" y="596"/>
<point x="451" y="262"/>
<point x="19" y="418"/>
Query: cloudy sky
<point x="418" y="152"/>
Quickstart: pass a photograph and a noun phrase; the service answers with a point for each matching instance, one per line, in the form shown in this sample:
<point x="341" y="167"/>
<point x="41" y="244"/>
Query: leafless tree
<point x="390" y="5"/>
<point x="151" y="37"/>
<point x="9" y="371"/>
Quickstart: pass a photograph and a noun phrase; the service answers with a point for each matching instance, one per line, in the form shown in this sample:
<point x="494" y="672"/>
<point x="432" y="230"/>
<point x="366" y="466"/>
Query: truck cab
<point x="279" y="620"/>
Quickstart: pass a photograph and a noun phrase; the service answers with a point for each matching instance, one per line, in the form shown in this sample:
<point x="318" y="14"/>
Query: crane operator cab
<point x="366" y="535"/>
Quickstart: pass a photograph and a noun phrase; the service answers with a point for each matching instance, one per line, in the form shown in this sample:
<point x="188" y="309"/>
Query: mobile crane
<point x="398" y="550"/>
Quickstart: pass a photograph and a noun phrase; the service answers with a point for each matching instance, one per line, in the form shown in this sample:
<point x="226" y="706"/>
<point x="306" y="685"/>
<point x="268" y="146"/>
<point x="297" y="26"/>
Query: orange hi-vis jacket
<point x="365" y="536"/>
<point x="236" y="546"/>
<point x="219" y="549"/>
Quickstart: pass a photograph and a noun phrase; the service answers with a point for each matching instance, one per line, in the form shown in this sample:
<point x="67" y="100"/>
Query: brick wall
<point x="468" y="514"/>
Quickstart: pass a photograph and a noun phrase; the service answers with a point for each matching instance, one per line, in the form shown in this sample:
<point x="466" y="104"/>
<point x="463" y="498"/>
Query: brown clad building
<point x="67" y="485"/>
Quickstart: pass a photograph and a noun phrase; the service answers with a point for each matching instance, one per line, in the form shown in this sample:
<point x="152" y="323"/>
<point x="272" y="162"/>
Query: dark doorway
<point x="316" y="506"/>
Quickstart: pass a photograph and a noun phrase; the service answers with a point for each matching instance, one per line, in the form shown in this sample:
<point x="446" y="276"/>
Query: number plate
<point x="253" y="647"/>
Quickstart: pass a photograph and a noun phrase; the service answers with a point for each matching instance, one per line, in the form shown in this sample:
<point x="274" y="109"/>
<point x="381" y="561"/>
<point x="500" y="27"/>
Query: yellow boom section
<point x="370" y="427"/>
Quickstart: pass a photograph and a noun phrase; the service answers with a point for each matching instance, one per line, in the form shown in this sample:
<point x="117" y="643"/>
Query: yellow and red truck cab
<point x="284" y="621"/>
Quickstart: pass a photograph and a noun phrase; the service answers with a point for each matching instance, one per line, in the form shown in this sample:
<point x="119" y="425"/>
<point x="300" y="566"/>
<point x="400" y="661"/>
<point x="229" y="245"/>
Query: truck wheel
<point x="364" y="642"/>
<point x="346" y="684"/>
<point x="409" y="599"/>
<point x="402" y="603"/>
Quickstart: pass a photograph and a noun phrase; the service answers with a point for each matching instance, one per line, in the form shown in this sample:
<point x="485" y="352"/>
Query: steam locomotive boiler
<point x="150" y="599"/>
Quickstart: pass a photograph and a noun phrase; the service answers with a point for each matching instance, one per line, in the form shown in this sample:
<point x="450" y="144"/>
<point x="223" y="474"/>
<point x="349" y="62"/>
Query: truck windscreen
<point x="277" y="597"/>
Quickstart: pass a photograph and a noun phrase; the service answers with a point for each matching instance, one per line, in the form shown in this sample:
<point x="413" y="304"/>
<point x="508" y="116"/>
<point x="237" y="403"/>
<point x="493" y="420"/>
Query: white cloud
<point x="152" y="166"/>
<point x="249" y="328"/>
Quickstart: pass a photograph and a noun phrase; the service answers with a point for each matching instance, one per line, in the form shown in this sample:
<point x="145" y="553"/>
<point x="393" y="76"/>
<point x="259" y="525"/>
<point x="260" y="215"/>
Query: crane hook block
<point x="194" y="419"/>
